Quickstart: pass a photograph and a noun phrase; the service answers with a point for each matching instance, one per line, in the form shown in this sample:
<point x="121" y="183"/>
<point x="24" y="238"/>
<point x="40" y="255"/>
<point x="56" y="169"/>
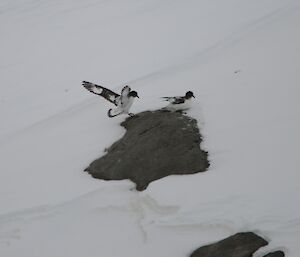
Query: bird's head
<point x="189" y="94"/>
<point x="133" y="94"/>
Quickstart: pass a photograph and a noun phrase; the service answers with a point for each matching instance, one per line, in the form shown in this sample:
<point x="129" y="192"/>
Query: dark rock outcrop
<point x="275" y="254"/>
<point x="238" y="245"/>
<point x="155" y="145"/>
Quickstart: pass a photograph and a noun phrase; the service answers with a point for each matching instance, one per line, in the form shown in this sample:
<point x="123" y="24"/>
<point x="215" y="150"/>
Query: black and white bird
<point x="122" y="102"/>
<point x="179" y="103"/>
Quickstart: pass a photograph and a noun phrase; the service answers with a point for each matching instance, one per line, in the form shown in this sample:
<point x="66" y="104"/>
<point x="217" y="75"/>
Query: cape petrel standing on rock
<point x="179" y="103"/>
<point x="122" y="102"/>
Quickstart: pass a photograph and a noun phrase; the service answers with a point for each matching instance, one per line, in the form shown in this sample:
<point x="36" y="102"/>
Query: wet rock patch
<point x="239" y="245"/>
<point x="156" y="144"/>
<point x="275" y="254"/>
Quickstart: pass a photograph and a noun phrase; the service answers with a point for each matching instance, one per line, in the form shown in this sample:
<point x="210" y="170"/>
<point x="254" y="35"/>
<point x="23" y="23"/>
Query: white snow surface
<point x="241" y="59"/>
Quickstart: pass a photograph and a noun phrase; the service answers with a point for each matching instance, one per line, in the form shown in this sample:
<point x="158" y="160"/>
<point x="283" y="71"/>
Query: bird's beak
<point x="194" y="96"/>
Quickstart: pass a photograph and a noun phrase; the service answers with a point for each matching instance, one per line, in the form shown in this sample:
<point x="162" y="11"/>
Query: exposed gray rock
<point x="155" y="145"/>
<point x="275" y="254"/>
<point x="238" y="245"/>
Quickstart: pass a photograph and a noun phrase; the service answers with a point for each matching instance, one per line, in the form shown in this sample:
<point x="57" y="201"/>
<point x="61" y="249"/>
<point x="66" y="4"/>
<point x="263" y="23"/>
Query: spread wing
<point x="102" y="91"/>
<point x="174" y="99"/>
<point x="125" y="91"/>
<point x="124" y="95"/>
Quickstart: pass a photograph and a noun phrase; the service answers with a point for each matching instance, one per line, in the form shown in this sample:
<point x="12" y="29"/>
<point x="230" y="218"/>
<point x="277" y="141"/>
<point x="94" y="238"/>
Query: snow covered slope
<point x="241" y="59"/>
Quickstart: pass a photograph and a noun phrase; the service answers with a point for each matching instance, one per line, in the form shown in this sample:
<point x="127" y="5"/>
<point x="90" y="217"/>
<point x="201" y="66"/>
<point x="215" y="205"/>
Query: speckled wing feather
<point x="125" y="91"/>
<point x="124" y="94"/>
<point x="174" y="99"/>
<point x="102" y="91"/>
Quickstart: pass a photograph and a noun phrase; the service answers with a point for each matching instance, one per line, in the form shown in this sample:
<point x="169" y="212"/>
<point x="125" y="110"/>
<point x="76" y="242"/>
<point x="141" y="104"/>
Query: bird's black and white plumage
<point x="122" y="102"/>
<point x="179" y="103"/>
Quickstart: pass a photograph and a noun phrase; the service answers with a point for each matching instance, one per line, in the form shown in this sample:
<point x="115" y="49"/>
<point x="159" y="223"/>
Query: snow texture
<point x="241" y="59"/>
